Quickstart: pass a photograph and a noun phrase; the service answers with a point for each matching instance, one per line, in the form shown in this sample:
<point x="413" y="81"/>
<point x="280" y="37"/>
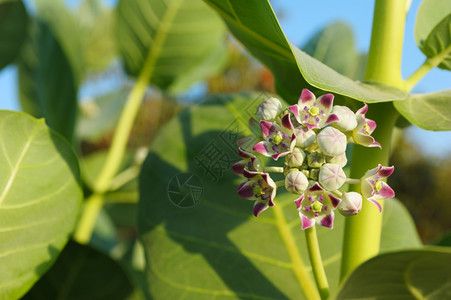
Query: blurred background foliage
<point x="73" y="60"/>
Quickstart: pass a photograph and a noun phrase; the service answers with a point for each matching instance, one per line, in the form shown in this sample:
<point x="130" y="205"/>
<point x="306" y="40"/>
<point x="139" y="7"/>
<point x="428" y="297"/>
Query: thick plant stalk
<point x="363" y="231"/>
<point x="317" y="262"/>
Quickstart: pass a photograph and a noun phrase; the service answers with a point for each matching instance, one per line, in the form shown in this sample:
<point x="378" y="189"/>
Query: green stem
<point x="280" y="183"/>
<point x="273" y="169"/>
<point x="352" y="181"/>
<point x="317" y="262"/>
<point x="125" y="124"/>
<point x="363" y="231"/>
<point x="428" y="65"/>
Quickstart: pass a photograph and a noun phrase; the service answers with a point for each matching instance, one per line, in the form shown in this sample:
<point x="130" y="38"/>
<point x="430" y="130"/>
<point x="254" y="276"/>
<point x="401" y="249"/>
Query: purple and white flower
<point x="279" y="140"/>
<point x="372" y="186"/>
<point x="317" y="206"/>
<point x="365" y="127"/>
<point x="259" y="187"/>
<point x="312" y="112"/>
<point x="249" y="162"/>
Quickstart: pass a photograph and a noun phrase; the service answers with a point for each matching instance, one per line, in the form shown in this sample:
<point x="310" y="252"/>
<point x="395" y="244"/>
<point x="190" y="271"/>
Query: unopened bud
<point x="331" y="141"/>
<point x="304" y="137"/>
<point x="347" y="120"/>
<point x="295" y="158"/>
<point x="313" y="175"/>
<point x="340" y="160"/>
<point x="269" y="109"/>
<point x="315" y="160"/>
<point x="296" y="182"/>
<point x="351" y="204"/>
<point x="331" y="177"/>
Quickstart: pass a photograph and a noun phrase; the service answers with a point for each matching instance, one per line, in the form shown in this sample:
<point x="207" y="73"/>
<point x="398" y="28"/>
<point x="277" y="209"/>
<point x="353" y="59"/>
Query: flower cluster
<point x="311" y="136"/>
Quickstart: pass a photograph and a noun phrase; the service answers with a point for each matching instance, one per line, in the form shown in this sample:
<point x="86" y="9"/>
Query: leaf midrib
<point x="278" y="49"/>
<point x="16" y="168"/>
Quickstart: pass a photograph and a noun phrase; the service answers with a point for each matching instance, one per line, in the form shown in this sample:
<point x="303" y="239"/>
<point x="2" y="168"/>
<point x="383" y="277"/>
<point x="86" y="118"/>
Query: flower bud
<point x="347" y="120"/>
<point x="315" y="160"/>
<point x="269" y="109"/>
<point x="295" y="159"/>
<point x="331" y="177"/>
<point x="340" y="160"/>
<point x="296" y="182"/>
<point x="331" y="141"/>
<point x="313" y="174"/>
<point x="304" y="137"/>
<point x="351" y="204"/>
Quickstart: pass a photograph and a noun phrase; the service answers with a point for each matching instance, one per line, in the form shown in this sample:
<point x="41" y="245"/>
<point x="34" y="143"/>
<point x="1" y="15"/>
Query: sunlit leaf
<point x="13" y="29"/>
<point x="429" y="14"/>
<point x="416" y="274"/>
<point x="428" y="111"/>
<point x="334" y="46"/>
<point x="82" y="272"/>
<point x="438" y="43"/>
<point x="96" y="24"/>
<point x="39" y="201"/>
<point x="201" y="238"/>
<point x="255" y="25"/>
<point x="180" y="41"/>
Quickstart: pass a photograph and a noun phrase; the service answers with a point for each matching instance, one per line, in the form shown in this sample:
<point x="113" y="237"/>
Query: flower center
<point x="313" y="111"/>
<point x="317" y="206"/>
<point x="378" y="186"/>
<point x="278" y="138"/>
<point x="366" y="128"/>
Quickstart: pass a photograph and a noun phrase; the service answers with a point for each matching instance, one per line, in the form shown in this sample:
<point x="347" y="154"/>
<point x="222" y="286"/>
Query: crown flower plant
<point x="313" y="169"/>
<point x="307" y="143"/>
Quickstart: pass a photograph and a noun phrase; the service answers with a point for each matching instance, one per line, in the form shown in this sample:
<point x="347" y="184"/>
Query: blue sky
<point x="300" y="20"/>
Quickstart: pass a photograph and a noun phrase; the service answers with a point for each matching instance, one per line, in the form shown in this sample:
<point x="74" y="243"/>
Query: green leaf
<point x="47" y="84"/>
<point x="216" y="246"/>
<point x="255" y="25"/>
<point x="438" y="44"/>
<point x="180" y="41"/>
<point x="96" y="33"/>
<point x="65" y="30"/>
<point x="13" y="30"/>
<point x="416" y="274"/>
<point x="39" y="202"/>
<point x="398" y="228"/>
<point x="82" y="273"/>
<point x="334" y="46"/>
<point x="429" y="14"/>
<point x="428" y="111"/>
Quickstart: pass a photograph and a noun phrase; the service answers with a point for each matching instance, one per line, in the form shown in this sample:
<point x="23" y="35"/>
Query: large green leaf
<point x="181" y="41"/>
<point x="66" y="32"/>
<point x="82" y="273"/>
<point x="47" y="84"/>
<point x="416" y="274"/>
<point x="39" y="201"/>
<point x="96" y="34"/>
<point x="438" y="43"/>
<point x="334" y="46"/>
<point x="255" y="25"/>
<point x="217" y="247"/>
<point x="13" y="29"/>
<point x="429" y="14"/>
<point x="428" y="111"/>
